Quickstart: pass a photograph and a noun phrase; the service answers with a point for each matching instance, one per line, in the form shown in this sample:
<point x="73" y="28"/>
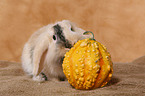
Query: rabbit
<point x="43" y="54"/>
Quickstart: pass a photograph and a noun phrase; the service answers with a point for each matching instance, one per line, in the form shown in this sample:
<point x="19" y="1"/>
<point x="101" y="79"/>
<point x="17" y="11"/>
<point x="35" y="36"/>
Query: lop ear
<point x="42" y="61"/>
<point x="39" y="54"/>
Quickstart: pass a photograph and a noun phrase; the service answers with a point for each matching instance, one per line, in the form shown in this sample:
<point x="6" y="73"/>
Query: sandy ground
<point x="128" y="80"/>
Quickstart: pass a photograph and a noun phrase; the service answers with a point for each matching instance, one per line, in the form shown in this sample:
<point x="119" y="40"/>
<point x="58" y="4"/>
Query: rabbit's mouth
<point x="68" y="45"/>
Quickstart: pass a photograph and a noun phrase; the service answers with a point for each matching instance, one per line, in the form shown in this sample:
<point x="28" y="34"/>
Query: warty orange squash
<point x="88" y="65"/>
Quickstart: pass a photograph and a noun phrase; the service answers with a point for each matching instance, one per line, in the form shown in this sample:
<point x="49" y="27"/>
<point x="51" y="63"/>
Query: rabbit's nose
<point x="68" y="45"/>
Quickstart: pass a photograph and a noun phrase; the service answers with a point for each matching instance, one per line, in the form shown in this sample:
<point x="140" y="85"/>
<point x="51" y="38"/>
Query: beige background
<point x="118" y="24"/>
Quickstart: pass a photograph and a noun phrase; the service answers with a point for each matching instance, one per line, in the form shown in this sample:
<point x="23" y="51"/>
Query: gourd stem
<point x="87" y="32"/>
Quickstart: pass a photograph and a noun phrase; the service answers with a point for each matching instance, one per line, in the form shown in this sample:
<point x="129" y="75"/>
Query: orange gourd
<point x="88" y="65"/>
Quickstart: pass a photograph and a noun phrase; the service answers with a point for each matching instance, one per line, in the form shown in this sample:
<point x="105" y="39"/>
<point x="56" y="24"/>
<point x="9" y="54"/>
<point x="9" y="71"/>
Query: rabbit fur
<point x="43" y="54"/>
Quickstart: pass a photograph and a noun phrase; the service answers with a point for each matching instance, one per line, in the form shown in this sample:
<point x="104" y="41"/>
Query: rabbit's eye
<point x="72" y="29"/>
<point x="54" y="37"/>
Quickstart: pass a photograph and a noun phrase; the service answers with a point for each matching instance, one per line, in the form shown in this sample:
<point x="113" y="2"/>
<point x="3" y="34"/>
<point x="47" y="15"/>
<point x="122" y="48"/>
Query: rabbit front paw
<point x="40" y="78"/>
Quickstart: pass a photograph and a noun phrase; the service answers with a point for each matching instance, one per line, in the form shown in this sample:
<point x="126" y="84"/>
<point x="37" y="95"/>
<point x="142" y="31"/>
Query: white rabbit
<point x="44" y="52"/>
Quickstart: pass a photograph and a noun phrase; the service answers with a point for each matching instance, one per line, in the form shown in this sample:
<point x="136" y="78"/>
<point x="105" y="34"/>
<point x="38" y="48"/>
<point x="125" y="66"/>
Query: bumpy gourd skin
<point x="88" y="65"/>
